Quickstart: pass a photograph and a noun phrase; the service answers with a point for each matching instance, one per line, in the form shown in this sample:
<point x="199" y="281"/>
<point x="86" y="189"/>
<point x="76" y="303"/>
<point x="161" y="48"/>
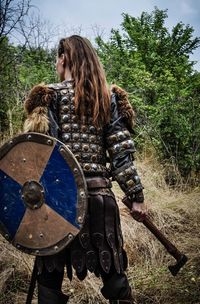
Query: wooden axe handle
<point x="171" y="248"/>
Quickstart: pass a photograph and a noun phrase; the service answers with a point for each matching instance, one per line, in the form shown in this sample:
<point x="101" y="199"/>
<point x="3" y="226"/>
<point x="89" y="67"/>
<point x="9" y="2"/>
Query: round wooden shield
<point x="43" y="194"/>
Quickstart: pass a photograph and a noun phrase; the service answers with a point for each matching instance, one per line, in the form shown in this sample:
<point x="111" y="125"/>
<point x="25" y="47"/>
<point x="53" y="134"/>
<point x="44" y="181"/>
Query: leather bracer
<point x="129" y="181"/>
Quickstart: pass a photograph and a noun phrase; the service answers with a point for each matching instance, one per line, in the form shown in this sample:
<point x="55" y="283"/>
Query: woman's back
<point x="81" y="136"/>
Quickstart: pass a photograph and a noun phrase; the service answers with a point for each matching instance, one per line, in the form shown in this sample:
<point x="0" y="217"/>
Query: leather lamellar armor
<point x="51" y="109"/>
<point x="82" y="138"/>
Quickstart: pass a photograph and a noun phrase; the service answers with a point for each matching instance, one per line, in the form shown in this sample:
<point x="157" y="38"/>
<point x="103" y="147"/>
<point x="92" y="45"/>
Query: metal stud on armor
<point x="119" y="142"/>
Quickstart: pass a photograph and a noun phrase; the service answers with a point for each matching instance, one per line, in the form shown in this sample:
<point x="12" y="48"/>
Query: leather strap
<point x="32" y="284"/>
<point x="98" y="182"/>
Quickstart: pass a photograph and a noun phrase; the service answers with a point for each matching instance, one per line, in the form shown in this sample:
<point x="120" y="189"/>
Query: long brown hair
<point x="91" y="92"/>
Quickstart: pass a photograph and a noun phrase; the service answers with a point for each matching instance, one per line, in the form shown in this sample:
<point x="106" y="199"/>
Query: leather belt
<point x="98" y="182"/>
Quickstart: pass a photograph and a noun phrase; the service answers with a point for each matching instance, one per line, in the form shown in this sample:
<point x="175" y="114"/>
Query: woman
<point x="95" y="125"/>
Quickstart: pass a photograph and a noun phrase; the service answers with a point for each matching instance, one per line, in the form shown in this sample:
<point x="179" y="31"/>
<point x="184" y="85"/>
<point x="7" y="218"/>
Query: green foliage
<point x="37" y="66"/>
<point x="153" y="65"/>
<point x="8" y="83"/>
<point x="21" y="68"/>
<point x="145" y="58"/>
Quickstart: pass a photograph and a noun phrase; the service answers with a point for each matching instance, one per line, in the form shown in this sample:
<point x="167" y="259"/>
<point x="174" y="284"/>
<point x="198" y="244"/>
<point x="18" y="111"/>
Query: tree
<point x="16" y="61"/>
<point x="12" y="14"/>
<point x="153" y="65"/>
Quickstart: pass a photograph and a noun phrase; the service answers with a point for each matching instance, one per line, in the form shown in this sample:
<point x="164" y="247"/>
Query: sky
<point x="103" y="15"/>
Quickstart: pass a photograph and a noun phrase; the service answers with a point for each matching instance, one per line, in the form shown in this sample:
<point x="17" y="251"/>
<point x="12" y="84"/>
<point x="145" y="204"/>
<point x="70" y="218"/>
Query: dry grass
<point x="176" y="213"/>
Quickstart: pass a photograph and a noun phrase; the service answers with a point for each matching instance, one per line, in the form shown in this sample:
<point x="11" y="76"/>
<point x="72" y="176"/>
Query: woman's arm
<point x="121" y="148"/>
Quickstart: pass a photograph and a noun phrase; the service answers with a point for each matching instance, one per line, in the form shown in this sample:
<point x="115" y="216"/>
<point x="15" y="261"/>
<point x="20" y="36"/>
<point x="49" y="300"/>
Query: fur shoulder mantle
<point x="36" y="107"/>
<point x="124" y="107"/>
<point x="40" y="97"/>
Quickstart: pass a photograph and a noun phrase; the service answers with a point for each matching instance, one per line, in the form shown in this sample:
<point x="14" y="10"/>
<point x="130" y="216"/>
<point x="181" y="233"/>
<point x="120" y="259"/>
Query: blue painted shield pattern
<point x="43" y="194"/>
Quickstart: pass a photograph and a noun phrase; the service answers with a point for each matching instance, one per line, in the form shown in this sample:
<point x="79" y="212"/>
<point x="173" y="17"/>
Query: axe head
<point x="174" y="269"/>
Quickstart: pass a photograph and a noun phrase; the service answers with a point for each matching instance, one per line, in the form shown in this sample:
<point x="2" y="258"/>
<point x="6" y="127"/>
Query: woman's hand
<point x="139" y="211"/>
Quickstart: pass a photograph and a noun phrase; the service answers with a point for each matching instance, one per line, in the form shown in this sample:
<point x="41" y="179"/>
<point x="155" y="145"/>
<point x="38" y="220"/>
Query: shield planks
<point x="43" y="194"/>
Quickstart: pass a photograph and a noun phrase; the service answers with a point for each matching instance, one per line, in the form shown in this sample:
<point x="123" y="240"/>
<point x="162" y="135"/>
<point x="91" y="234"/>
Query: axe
<point x="181" y="258"/>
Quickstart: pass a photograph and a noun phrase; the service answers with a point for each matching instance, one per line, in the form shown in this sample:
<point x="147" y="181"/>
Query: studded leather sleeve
<point x="120" y="147"/>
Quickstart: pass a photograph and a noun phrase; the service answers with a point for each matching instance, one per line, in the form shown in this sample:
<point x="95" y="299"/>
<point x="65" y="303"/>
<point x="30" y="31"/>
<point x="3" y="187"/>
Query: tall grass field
<point x="177" y="214"/>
